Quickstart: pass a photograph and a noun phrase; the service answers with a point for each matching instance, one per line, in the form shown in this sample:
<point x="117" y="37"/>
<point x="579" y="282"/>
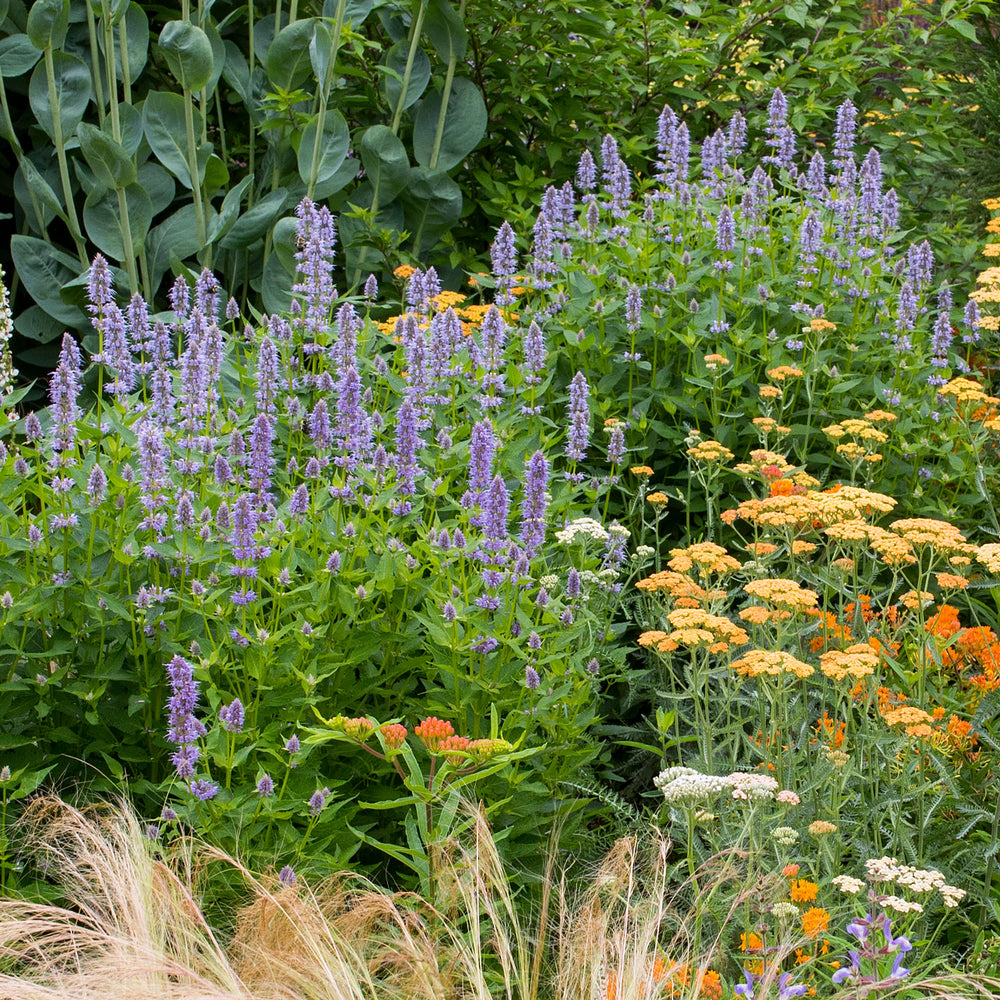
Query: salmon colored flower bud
<point x="432" y="731"/>
<point x="393" y="735"/>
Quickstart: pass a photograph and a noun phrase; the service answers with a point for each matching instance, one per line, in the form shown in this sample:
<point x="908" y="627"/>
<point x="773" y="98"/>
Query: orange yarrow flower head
<point x="433" y="731"/>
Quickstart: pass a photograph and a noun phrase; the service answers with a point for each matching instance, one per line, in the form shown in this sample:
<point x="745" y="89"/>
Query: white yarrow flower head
<point x="848" y="884"/>
<point x="900" y="905"/>
<point x="884" y="869"/>
<point x="784" y="835"/>
<point x="751" y="787"/>
<point x="686" y="787"/>
<point x="582" y="528"/>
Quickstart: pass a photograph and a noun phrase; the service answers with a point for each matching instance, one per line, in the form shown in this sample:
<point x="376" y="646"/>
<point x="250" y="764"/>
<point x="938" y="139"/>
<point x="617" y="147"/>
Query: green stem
<point x="95" y="65"/>
<point x="57" y="138"/>
<point x="445" y="95"/>
<point x="407" y="72"/>
<point x="338" y="28"/>
<point x="126" y="70"/>
<point x="199" y="209"/>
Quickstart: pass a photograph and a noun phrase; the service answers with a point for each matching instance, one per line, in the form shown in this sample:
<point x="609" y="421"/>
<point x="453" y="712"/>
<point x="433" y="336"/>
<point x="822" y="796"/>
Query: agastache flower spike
<point x="184" y="729"/>
<point x="579" y="418"/>
<point x="267" y="377"/>
<point x="64" y="387"/>
<point x="535" y="504"/>
<point x="504" y="261"/>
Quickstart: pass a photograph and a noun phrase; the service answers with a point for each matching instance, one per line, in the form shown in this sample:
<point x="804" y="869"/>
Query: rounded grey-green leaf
<point x="17" y="55"/>
<point x="4" y="9"/>
<point x="395" y="67"/>
<point x="338" y="180"/>
<point x="433" y="204"/>
<point x="156" y="181"/>
<point x="188" y="53"/>
<point x="110" y="161"/>
<point x="44" y="270"/>
<point x="333" y="146"/>
<point x="354" y="13"/>
<point x="464" y="125"/>
<point x="276" y="286"/>
<point x="176" y="235"/>
<point x="72" y="88"/>
<point x="386" y="163"/>
<point x="284" y="238"/>
<point x="288" y="64"/>
<point x="115" y="9"/>
<point x="163" y="118"/>
<point x="256" y="222"/>
<point x="104" y="224"/>
<point x="130" y="120"/>
<point x="36" y="324"/>
<point x="445" y="29"/>
<point x="28" y="181"/>
<point x="137" y="33"/>
<point x="48" y="22"/>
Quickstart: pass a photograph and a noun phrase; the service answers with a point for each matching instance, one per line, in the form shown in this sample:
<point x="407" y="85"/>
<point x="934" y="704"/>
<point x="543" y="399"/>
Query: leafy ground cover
<point x="681" y="518"/>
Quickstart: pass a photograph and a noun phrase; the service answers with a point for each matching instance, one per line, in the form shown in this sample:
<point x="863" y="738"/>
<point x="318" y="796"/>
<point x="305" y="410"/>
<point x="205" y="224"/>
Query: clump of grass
<point x="133" y="926"/>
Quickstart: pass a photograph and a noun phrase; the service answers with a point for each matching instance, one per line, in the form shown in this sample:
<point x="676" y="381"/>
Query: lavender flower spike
<point x="579" y="418"/>
<point x="535" y="504"/>
<point x="184" y="729"/>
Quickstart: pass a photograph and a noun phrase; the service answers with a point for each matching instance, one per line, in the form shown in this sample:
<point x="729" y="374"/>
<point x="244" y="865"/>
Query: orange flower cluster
<point x="696" y="628"/>
<point x="709" y="451"/>
<point x="857" y="662"/>
<point x="803" y="891"/>
<point x="770" y="663"/>
<point x="680" y="588"/>
<point x="674" y="979"/>
<point x="433" y="732"/>
<point x="393" y="735"/>
<point x="831" y="731"/>
<point x="785" y="594"/>
<point x="705" y="558"/>
<point x="814" y="921"/>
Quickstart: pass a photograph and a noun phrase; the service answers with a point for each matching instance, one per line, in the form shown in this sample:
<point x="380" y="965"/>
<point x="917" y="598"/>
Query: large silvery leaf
<point x="29" y="181"/>
<point x="108" y="160"/>
<point x="130" y="122"/>
<point x="103" y="222"/>
<point x="333" y="147"/>
<point x="137" y="33"/>
<point x="48" y="22"/>
<point x="177" y="235"/>
<point x="395" y="67"/>
<point x="387" y="167"/>
<point x="257" y="221"/>
<point x="188" y="53"/>
<point x="444" y="28"/>
<point x="236" y="72"/>
<point x="230" y="210"/>
<point x="72" y="86"/>
<point x="354" y="13"/>
<point x="433" y="204"/>
<point x="276" y="286"/>
<point x="288" y="63"/>
<point x="218" y="56"/>
<point x="166" y="133"/>
<point x="156" y="181"/>
<point x="44" y="270"/>
<point x="17" y="55"/>
<point x="464" y="125"/>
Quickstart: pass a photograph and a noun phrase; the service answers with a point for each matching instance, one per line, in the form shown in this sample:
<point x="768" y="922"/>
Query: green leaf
<point x="276" y="288"/>
<point x="104" y="223"/>
<point x="72" y="88"/>
<point x="354" y="13"/>
<point x="284" y="238"/>
<point x="188" y="53"/>
<point x="444" y="28"/>
<point x="158" y="184"/>
<point x="230" y="210"/>
<point x="333" y="147"/>
<point x="48" y="22"/>
<point x="178" y="235"/>
<point x="36" y="324"/>
<point x="110" y="162"/>
<point x="137" y="34"/>
<point x="797" y="11"/>
<point x="163" y="118"/>
<point x="387" y="166"/>
<point x="965" y="29"/>
<point x="256" y="222"/>
<point x="288" y="63"/>
<point x="464" y="125"/>
<point x="31" y="178"/>
<point x="395" y="66"/>
<point x="341" y="177"/>
<point x="17" y="55"/>
<point x="236" y="72"/>
<point x="130" y="120"/>
<point x="433" y="204"/>
<point x="218" y="56"/>
<point x="44" y="270"/>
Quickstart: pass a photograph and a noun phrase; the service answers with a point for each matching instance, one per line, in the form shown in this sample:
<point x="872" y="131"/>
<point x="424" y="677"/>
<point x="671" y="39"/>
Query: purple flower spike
<point x="579" y="418"/>
<point x="535" y="504"/>
<point x="231" y="716"/>
<point x="503" y="256"/>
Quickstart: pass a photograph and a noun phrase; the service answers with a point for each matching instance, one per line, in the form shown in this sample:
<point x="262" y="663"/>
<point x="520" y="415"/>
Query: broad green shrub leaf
<point x="28" y="178"/>
<point x="444" y="28"/>
<point x="177" y="234"/>
<point x="137" y="33"/>
<point x="433" y="204"/>
<point x="276" y="286"/>
<point x="158" y="184"/>
<point x="230" y="210"/>
<point x="354" y="13"/>
<point x="218" y="56"/>
<point x="4" y="9"/>
<point x="387" y="166"/>
<point x="394" y="68"/>
<point x="17" y="55"/>
<point x="284" y="238"/>
<point x="48" y="22"/>
<point x="320" y="48"/>
<point x="36" y="324"/>
<point x="253" y="224"/>
<point x="72" y="87"/>
<point x="44" y="270"/>
<point x="163" y="118"/>
<point x="188" y="53"/>
<point x="263" y="36"/>
<point x="110" y="162"/>
<point x="464" y="125"/>
<point x="130" y="120"/>
<point x="288" y="63"/>
<point x="103" y="222"/>
<point x="115" y="9"/>
<point x="215" y="174"/>
<point x="236" y="72"/>
<point x="334" y="144"/>
<point x="341" y="177"/>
